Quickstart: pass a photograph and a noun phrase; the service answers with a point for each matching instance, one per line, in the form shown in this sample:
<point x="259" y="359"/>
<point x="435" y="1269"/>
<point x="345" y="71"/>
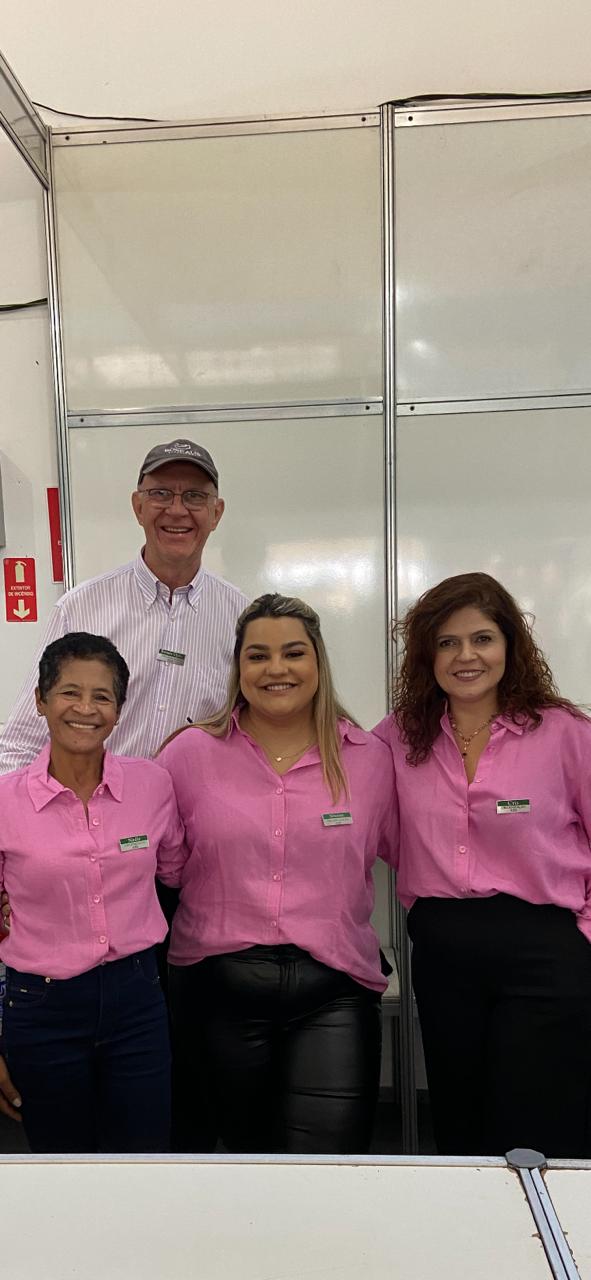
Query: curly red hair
<point x="527" y="685"/>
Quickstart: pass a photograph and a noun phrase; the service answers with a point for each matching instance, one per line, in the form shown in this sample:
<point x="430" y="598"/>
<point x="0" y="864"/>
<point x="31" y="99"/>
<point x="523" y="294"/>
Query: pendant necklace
<point x="466" y="741"/>
<point x="287" y="755"/>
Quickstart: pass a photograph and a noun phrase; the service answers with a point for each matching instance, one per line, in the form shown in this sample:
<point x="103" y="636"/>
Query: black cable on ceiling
<point x="570" y="95"/>
<point x="22" y="306"/>
<point x="80" y="115"/>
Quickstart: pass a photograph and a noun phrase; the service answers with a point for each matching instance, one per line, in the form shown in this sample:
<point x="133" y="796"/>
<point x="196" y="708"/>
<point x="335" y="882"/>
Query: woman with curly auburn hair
<point x="493" y="774"/>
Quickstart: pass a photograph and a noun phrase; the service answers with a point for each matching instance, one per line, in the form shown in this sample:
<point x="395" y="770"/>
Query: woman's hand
<point x="9" y="1096"/>
<point x="5" y="912"/>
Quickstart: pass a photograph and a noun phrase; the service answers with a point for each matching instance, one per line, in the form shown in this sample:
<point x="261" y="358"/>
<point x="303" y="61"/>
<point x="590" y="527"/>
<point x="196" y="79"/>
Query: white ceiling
<point x="225" y="58"/>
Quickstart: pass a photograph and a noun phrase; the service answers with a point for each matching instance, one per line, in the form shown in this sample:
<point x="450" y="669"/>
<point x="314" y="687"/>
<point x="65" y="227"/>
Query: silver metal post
<point x="39" y="130"/>
<point x="59" y="386"/>
<point x="407" y="1059"/>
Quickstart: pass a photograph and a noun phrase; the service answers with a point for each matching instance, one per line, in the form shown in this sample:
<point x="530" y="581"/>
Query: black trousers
<point x="288" y="1054"/>
<point x="503" y="991"/>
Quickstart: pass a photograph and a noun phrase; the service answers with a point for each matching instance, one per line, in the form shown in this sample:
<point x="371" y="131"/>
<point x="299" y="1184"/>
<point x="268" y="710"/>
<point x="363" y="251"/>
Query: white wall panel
<point x="492" y="262"/>
<point x="222" y="269"/>
<point x="27" y="432"/>
<point x="274" y="1221"/>
<point x="304" y="516"/>
<point x="508" y="494"/>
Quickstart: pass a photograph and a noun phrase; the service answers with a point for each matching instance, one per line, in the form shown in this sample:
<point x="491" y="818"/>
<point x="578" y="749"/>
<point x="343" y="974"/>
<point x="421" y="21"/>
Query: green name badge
<point x="169" y="655"/>
<point x="343" y="819"/>
<point x="133" y="842"/>
<point x="513" y="806"/>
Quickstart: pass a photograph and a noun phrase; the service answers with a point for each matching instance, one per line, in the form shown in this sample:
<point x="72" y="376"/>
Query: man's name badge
<point x="343" y="819"/>
<point x="133" y="842"/>
<point x="170" y="655"/>
<point x="513" y="806"/>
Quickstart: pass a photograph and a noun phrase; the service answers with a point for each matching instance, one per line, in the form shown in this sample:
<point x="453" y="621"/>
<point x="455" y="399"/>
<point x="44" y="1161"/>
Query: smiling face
<point x="470" y="654"/>
<point x="175" y="536"/>
<point x="278" y="668"/>
<point x="81" y="707"/>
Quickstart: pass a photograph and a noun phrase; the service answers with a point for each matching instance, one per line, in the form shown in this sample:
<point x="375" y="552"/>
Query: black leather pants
<point x="287" y="1051"/>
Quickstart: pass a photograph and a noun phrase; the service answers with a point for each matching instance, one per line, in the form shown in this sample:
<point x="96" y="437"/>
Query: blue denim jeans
<point x="90" y="1057"/>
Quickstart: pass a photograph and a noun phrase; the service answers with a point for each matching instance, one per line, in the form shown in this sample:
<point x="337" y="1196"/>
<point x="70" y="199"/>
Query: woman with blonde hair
<point x="275" y="976"/>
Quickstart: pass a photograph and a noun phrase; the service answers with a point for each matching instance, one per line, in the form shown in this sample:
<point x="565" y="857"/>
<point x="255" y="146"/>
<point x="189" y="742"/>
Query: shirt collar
<point x="43" y="787"/>
<point x="499" y="722"/>
<point x="151" y="587"/>
<point x="353" y="733"/>
<point x="347" y="730"/>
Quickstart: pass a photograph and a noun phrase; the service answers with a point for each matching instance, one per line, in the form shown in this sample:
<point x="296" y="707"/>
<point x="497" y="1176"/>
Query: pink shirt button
<point x="278" y="832"/>
<point x="279" y="791"/>
<point x="96" y="822"/>
<point x="462" y="848"/>
<point x="276" y="877"/>
<point x="103" y="937"/>
<point x="273" y="924"/>
<point x="92" y="858"/>
<point x="96" y="898"/>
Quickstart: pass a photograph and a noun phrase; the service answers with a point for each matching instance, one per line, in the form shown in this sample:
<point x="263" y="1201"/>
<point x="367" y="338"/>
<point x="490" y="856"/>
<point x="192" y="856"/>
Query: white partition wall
<point x="27" y="429"/>
<point x="221" y="269"/>
<point x="493" y="273"/>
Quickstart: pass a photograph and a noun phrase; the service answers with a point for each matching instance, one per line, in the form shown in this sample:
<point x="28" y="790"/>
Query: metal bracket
<point x="529" y="1165"/>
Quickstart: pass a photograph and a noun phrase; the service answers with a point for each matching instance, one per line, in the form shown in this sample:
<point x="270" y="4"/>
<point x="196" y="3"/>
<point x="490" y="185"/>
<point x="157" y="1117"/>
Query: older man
<point x="172" y="620"/>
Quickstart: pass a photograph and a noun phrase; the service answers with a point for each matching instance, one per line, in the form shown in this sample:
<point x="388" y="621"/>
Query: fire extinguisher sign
<point x="20" y="589"/>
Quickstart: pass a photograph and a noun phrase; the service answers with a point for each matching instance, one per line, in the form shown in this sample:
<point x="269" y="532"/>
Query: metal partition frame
<point x="26" y="129"/>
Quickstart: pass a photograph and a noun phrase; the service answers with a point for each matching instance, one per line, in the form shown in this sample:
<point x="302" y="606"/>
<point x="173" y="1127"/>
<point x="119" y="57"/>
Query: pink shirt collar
<point x="43" y="788"/>
<point x="348" y="731"/>
<point x="500" y="722"/>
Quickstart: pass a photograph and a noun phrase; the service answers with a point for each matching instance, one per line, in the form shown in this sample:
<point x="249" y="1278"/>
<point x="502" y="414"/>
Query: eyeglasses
<point x="192" y="499"/>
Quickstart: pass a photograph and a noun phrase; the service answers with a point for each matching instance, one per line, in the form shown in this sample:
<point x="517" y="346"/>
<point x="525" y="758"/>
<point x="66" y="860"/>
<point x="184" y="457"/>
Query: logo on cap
<point x="183" y="448"/>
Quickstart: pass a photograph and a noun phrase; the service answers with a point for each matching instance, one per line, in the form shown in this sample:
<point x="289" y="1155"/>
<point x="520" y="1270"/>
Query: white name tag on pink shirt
<point x="133" y="842"/>
<point x="342" y="819"/>
<point x="513" y="806"/>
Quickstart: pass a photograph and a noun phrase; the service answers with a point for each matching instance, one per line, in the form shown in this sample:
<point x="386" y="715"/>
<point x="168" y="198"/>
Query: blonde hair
<point x="327" y="710"/>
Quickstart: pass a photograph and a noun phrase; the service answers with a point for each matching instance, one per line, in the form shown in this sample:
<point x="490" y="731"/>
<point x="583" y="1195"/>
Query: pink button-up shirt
<point x="453" y="840"/>
<point x="264" y="867"/>
<point x="77" y="898"/>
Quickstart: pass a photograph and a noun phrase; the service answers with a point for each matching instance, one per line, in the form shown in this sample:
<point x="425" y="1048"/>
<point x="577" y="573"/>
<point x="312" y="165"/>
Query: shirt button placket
<point x="278" y="853"/>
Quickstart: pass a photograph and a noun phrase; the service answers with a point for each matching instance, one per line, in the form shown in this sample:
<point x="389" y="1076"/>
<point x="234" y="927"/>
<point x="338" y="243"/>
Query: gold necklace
<point x="466" y="740"/>
<point x="287" y="755"/>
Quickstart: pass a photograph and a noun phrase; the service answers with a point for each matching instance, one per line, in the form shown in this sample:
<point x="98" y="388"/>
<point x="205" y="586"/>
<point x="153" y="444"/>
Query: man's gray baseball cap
<point x="179" y="451"/>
